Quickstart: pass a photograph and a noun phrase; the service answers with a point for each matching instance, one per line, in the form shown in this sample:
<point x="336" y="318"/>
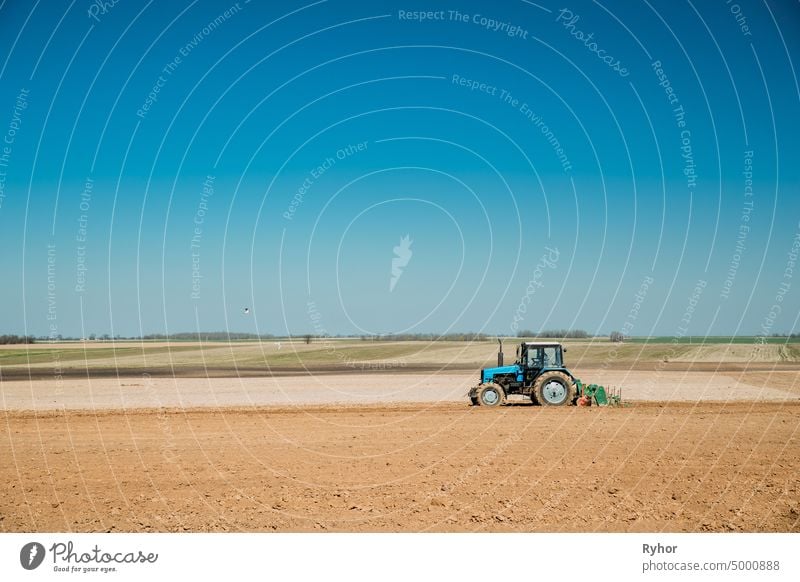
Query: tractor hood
<point x="487" y="374"/>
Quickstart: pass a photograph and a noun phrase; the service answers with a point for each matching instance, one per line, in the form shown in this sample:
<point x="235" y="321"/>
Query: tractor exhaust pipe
<point x="500" y="352"/>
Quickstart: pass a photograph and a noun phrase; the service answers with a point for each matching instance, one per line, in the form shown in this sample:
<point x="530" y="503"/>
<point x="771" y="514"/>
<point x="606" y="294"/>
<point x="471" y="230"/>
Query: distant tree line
<point x="231" y="336"/>
<point x="404" y="337"/>
<point x="206" y="336"/>
<point x="307" y="338"/>
<point x="16" y="339"/>
<point x="614" y="336"/>
<point x="555" y="333"/>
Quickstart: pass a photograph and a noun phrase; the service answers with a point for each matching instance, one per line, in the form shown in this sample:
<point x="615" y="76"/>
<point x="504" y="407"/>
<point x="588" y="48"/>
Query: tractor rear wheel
<point x="491" y="395"/>
<point x="554" y="389"/>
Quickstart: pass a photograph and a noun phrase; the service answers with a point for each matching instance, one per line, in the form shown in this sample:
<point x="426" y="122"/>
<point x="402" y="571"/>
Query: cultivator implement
<point x="596" y="395"/>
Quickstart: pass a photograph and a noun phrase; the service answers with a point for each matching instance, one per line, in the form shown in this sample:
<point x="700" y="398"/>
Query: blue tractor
<point x="538" y="374"/>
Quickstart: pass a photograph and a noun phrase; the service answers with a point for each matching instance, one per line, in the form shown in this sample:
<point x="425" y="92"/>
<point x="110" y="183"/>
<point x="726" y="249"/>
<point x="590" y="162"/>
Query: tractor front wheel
<point x="554" y="389"/>
<point x="491" y="395"/>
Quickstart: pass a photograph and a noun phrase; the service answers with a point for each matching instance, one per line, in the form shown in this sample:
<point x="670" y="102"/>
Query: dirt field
<point x="249" y="359"/>
<point x="372" y="387"/>
<point x="379" y="437"/>
<point x="446" y="467"/>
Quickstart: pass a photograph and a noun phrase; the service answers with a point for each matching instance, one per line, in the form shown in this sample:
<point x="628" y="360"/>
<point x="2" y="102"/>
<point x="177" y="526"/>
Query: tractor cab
<point x="533" y="357"/>
<point x="540" y="355"/>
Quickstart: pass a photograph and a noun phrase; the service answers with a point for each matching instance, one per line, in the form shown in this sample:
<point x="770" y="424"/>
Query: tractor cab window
<point x="534" y="358"/>
<point x="551" y="357"/>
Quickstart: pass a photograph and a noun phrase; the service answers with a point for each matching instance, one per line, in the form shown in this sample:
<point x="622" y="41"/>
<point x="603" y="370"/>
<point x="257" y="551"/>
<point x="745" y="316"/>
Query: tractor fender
<point x="563" y="370"/>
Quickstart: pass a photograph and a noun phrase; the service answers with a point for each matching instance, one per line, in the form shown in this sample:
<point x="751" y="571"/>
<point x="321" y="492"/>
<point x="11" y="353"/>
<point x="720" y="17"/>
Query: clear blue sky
<point x="615" y="133"/>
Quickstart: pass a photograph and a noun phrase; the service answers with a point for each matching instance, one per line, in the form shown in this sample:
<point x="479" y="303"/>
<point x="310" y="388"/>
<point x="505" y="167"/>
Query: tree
<point x="307" y="338"/>
<point x="616" y="336"/>
<point x="555" y="333"/>
<point x="17" y="339"/>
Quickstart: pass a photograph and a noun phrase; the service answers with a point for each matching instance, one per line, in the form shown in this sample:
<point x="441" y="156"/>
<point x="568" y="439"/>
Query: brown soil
<point x="785" y="381"/>
<point x="447" y="467"/>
